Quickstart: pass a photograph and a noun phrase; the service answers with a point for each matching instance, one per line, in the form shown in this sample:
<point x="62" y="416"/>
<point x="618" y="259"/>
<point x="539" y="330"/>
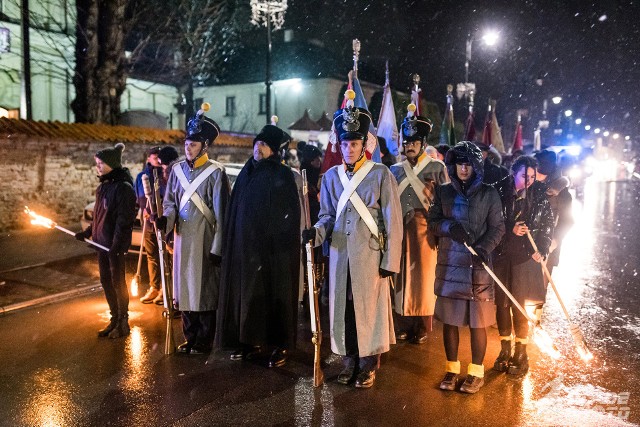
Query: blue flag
<point x="373" y="149"/>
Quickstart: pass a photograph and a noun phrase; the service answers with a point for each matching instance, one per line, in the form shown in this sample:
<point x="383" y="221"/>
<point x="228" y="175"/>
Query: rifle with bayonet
<point x="314" y="291"/>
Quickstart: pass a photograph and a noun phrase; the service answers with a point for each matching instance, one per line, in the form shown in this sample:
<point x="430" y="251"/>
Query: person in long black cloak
<point x="261" y="256"/>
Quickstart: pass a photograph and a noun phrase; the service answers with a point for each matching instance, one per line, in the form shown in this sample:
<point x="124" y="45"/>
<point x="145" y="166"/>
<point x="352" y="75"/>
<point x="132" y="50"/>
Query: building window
<point x="262" y="104"/>
<point x="230" y="106"/>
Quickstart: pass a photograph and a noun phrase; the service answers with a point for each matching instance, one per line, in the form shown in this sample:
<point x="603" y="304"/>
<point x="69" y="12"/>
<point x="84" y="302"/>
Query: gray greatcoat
<point x="413" y="293"/>
<point x="195" y="280"/>
<point x="354" y="250"/>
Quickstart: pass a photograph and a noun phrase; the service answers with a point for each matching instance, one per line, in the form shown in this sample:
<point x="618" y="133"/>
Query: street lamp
<point x="568" y="113"/>
<point x="556" y="100"/>
<point x="268" y="13"/>
<point x="490" y="38"/>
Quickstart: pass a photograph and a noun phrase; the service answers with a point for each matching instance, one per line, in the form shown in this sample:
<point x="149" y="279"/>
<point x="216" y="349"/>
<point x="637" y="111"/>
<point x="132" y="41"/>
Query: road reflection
<point x="50" y="401"/>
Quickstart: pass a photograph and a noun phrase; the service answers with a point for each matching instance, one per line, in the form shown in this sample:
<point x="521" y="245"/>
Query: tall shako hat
<point x="415" y="127"/>
<point x="274" y="137"/>
<point x="201" y="128"/>
<point x="352" y="122"/>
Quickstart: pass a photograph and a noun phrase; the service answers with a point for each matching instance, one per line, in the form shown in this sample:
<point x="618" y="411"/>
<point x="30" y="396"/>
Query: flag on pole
<point x="387" y="125"/>
<point x="332" y="155"/>
<point x="372" y="148"/>
<point x="470" y="126"/>
<point x="517" y="139"/>
<point x="491" y="134"/>
<point x="447" y="131"/>
<point x="537" y="141"/>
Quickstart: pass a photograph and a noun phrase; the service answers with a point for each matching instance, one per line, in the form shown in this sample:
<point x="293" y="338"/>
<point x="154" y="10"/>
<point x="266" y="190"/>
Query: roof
<point x="324" y="121"/>
<point x="10" y="128"/>
<point x="305" y="123"/>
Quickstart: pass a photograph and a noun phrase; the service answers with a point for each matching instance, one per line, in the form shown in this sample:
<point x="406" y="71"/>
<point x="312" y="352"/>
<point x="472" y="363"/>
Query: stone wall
<point x="57" y="178"/>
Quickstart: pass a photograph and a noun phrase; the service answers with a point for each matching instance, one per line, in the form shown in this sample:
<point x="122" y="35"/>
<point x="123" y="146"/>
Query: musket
<point x="316" y="329"/>
<point x="155" y="204"/>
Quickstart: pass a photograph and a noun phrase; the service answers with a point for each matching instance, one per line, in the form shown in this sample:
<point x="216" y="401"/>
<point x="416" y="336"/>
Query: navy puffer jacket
<point x="477" y="207"/>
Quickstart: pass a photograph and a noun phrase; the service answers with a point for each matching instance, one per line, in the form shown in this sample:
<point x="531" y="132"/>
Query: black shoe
<point x="121" y="330"/>
<point x="200" y="349"/>
<point x="104" y="332"/>
<point x="401" y="336"/>
<point x="471" y="384"/>
<point x="419" y="339"/>
<point x="278" y="357"/>
<point x="246" y="353"/>
<point x="502" y="362"/>
<point x="348" y="375"/>
<point x="365" y="379"/>
<point x="184" y="348"/>
<point x="519" y="362"/>
<point x="449" y="381"/>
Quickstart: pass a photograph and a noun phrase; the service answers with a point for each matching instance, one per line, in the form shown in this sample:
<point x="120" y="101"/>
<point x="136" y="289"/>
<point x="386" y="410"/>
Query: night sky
<point x="586" y="52"/>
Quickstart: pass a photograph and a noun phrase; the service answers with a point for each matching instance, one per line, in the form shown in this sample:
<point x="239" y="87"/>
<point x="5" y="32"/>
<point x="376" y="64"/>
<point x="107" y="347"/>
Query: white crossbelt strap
<point x="349" y="193"/>
<point x="191" y="187"/>
<point x="412" y="179"/>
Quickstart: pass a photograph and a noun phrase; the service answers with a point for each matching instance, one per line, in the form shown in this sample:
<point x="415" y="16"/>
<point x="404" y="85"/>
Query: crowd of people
<point x="401" y="243"/>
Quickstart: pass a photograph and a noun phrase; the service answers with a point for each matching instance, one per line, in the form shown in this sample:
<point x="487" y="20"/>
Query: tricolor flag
<point x="491" y="134"/>
<point x="447" y="131"/>
<point x="332" y="154"/>
<point x="517" y="139"/>
<point x="373" y="149"/>
<point x="387" y="125"/>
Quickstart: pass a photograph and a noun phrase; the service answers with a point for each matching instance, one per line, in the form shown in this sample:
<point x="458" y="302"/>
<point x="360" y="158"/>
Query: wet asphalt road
<point x="55" y="372"/>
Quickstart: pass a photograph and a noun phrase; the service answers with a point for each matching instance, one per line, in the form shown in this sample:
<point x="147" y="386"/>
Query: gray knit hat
<point x="112" y="156"/>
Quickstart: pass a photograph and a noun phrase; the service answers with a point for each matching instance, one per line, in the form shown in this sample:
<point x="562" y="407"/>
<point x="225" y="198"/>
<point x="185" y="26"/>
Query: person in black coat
<point x="465" y="211"/>
<point x="261" y="255"/>
<point x="517" y="265"/>
<point x="112" y="225"/>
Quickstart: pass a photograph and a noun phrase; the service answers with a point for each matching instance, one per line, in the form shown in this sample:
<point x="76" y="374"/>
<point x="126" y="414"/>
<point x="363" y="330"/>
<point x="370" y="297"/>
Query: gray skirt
<point x="461" y="312"/>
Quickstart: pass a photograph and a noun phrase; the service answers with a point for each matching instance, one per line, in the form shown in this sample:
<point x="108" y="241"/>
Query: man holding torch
<point x="112" y="225"/>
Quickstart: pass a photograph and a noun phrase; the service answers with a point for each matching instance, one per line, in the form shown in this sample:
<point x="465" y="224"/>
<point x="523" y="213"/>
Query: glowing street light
<point x="627" y="137"/>
<point x="596" y="130"/>
<point x="579" y="121"/>
<point x="491" y="37"/>
<point x="587" y="127"/>
<point x="605" y="133"/>
<point x="556" y="100"/>
<point x="616" y="136"/>
<point x="568" y="113"/>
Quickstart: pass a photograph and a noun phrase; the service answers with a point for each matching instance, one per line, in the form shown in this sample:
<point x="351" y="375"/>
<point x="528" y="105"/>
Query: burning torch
<point x="540" y="336"/>
<point x="48" y="223"/>
<point x="576" y="333"/>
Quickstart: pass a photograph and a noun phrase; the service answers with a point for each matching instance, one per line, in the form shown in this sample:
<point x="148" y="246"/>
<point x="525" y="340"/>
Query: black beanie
<point x="274" y="137"/>
<point x="112" y="156"/>
<point x="167" y="155"/>
<point x="547" y="161"/>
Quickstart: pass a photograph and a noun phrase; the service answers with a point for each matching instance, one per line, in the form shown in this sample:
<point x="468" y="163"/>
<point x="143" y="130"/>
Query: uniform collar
<point x="201" y="161"/>
<point x="358" y="164"/>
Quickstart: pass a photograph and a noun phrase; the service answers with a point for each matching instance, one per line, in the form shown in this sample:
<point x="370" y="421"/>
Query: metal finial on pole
<point x="356" y="56"/>
<point x="386" y="73"/>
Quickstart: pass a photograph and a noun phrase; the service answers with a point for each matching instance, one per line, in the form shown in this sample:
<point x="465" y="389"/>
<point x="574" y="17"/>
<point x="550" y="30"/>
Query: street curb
<point x="48" y="299"/>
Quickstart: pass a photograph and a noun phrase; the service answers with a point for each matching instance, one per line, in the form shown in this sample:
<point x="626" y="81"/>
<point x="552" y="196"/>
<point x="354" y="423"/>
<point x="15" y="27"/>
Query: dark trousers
<point x="113" y="282"/>
<point x="153" y="256"/>
<point x="412" y="325"/>
<point x="520" y="323"/>
<point x="199" y="327"/>
<point x="367" y="363"/>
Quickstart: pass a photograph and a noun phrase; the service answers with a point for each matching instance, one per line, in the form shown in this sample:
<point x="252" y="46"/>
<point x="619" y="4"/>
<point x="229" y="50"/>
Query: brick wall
<point x="57" y="178"/>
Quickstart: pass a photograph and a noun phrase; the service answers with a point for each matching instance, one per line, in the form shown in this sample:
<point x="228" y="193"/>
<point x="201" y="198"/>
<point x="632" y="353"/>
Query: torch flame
<point x="134" y="287"/>
<point x="39" y="219"/>
<point x="545" y="343"/>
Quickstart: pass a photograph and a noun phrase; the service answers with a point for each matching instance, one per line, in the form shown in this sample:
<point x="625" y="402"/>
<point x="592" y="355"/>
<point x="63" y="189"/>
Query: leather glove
<point x="482" y="254"/>
<point x="215" y="260"/>
<point x="159" y="221"/>
<point x="458" y="233"/>
<point x="309" y="234"/>
<point x="80" y="236"/>
<point x="385" y="273"/>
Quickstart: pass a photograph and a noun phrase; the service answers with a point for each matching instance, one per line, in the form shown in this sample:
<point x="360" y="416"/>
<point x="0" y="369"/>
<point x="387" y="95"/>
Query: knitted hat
<point x="274" y="137"/>
<point x="547" y="162"/>
<point x="112" y="156"/>
<point x="167" y="155"/>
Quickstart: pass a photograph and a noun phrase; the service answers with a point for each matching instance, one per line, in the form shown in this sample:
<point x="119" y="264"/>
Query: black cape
<point x="261" y="259"/>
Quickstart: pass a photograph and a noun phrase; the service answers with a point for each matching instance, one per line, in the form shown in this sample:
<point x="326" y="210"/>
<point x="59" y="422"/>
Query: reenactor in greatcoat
<point x="417" y="176"/>
<point x="360" y="217"/>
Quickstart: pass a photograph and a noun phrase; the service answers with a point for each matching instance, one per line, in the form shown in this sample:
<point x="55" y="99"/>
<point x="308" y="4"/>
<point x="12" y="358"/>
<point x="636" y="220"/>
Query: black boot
<point x="122" y="329"/>
<point x="104" y="332"/>
<point x="519" y="362"/>
<point x="502" y="362"/>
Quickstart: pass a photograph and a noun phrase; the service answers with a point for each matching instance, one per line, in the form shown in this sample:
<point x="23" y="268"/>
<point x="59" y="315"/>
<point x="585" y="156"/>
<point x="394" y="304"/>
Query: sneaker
<point x="471" y="384"/>
<point x="150" y="296"/>
<point x="449" y="381"/>
<point x="159" y="299"/>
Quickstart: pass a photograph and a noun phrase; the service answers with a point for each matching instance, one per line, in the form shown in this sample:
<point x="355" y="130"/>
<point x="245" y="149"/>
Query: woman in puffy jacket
<point x="517" y="265"/>
<point x="465" y="212"/>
